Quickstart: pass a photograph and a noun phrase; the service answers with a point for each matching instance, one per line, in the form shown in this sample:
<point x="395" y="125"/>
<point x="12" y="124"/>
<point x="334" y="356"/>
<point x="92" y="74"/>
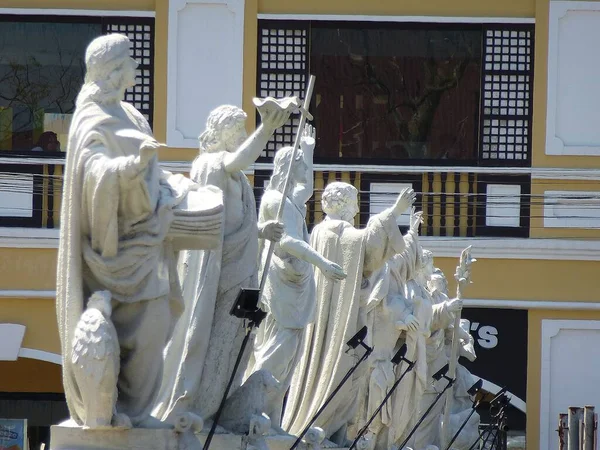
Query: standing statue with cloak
<point x="118" y="227"/>
<point x="289" y="295"/>
<point x="388" y="316"/>
<point x="324" y="362"/>
<point x="416" y="393"/>
<point x="200" y="357"/>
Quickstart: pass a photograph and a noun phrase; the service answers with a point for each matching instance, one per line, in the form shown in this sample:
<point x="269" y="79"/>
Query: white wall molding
<point x="549" y="405"/>
<point x="373" y="18"/>
<point x="537" y="173"/>
<point x="205" y="64"/>
<point x="442" y="247"/>
<point x="76" y="12"/>
<point x="573" y="91"/>
<point x="591" y="305"/>
<point x="515" y="248"/>
<point x="493" y="389"/>
<point x="11" y="338"/>
<point x="572" y="209"/>
<point x="15" y="237"/>
<point x="496" y="303"/>
<point x="40" y="355"/>
<point x="27" y="293"/>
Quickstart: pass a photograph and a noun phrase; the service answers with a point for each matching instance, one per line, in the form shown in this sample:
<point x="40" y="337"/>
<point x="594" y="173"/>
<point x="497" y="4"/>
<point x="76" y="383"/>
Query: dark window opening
<point x="405" y="93"/>
<point x="42" y="68"/>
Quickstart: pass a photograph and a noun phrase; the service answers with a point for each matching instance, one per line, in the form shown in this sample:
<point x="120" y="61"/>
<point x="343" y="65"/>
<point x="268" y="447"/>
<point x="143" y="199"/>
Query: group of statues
<point x="150" y="264"/>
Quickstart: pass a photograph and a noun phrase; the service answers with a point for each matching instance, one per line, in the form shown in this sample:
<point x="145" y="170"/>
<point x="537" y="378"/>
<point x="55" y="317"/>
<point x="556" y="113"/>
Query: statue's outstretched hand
<point x="454" y="306"/>
<point x="148" y="149"/>
<point x="273" y="118"/>
<point x="416" y="219"/>
<point x="309" y="138"/>
<point x="332" y="271"/>
<point x="404" y="201"/>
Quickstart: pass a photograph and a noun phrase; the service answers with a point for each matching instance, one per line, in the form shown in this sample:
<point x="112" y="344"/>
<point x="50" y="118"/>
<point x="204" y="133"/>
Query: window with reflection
<point x="405" y="93"/>
<point x="42" y="67"/>
<point x="397" y="92"/>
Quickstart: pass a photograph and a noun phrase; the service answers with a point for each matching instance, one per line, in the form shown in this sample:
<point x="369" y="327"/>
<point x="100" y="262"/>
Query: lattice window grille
<point x="507" y="95"/>
<point x="142" y="50"/>
<point x="282" y="72"/>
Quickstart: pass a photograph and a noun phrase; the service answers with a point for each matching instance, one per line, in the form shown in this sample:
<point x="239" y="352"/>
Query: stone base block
<point x="73" y="438"/>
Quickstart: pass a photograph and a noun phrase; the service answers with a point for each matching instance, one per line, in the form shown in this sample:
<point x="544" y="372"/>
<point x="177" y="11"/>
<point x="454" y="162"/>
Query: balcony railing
<point x="454" y="203"/>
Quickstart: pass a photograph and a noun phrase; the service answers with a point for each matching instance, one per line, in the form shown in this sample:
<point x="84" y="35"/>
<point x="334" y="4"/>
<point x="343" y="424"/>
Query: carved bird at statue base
<point x="95" y="359"/>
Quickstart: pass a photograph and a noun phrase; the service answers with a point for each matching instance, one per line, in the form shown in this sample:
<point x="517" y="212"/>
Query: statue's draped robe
<point x="387" y="307"/>
<point x="114" y="224"/>
<point x="324" y="362"/>
<point x="411" y="400"/>
<point x="288" y="298"/>
<point x="201" y="354"/>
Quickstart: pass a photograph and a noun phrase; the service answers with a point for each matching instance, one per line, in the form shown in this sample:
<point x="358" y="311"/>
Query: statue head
<point x="225" y="130"/>
<point x="109" y="69"/>
<point x="281" y="163"/>
<point x="340" y="201"/>
<point x="438" y="282"/>
<point x="427" y="262"/>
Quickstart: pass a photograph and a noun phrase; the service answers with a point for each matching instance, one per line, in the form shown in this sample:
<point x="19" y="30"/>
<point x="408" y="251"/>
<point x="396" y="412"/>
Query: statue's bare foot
<point x="153" y="422"/>
<point x="218" y="430"/>
<point x="120" y="420"/>
<point x="328" y="444"/>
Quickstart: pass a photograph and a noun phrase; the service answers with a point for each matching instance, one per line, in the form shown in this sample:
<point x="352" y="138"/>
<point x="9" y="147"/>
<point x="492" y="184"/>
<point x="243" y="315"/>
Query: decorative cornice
<point x="442" y="247"/>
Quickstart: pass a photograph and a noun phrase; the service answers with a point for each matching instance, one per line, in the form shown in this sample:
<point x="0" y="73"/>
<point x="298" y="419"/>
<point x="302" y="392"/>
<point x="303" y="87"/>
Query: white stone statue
<point x="117" y="216"/>
<point x="413" y="397"/>
<point x="388" y="315"/>
<point x="289" y="295"/>
<point x="200" y="357"/>
<point x="324" y="362"/>
<point x="461" y="405"/>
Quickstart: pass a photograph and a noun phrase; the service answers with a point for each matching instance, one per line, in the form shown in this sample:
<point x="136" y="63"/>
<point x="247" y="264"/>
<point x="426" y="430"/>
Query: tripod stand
<point x="355" y="341"/>
<point x="397" y="359"/>
<point x="436" y="376"/>
<point x="473" y="390"/>
<point x="245" y="307"/>
<point x="498" y="407"/>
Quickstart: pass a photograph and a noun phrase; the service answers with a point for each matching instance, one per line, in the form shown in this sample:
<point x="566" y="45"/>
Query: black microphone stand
<point x="355" y="341"/>
<point x="397" y="359"/>
<point x="502" y="400"/>
<point x="436" y="376"/>
<point x="473" y="390"/>
<point x="245" y="307"/>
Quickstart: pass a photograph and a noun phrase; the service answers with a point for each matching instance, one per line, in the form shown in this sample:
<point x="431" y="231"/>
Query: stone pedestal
<point x="73" y="438"/>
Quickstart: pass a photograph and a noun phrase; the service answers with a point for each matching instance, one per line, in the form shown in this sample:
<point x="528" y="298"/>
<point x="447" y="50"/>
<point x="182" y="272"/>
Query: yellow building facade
<point x="533" y="225"/>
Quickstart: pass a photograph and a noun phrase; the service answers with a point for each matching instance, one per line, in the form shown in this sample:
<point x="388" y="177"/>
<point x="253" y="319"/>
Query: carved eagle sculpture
<point x="95" y="358"/>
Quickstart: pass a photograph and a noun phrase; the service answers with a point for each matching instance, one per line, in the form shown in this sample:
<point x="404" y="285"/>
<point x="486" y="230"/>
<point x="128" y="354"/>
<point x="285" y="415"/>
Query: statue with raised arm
<point x="359" y="252"/>
<point x="289" y="295"/>
<point x="118" y="293"/>
<point x="200" y="356"/>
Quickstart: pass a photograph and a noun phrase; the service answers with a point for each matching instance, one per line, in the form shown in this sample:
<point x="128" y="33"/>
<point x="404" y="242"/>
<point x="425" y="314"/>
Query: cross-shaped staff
<point x="304" y="114"/>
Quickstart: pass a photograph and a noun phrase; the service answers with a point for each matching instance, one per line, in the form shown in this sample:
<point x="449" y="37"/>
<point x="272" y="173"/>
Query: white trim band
<point x="537" y="173"/>
<point x="40" y="355"/>
<point x="24" y="293"/>
<point x="468" y="302"/>
<point x="76" y="12"/>
<point x="396" y="18"/>
<point x="14" y="237"/>
<point x="531" y="304"/>
<point x="442" y="247"/>
<point x="515" y="248"/>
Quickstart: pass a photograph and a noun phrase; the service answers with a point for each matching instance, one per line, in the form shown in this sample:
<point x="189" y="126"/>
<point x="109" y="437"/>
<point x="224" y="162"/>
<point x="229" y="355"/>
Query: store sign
<point x="13" y="434"/>
<point x="500" y="337"/>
